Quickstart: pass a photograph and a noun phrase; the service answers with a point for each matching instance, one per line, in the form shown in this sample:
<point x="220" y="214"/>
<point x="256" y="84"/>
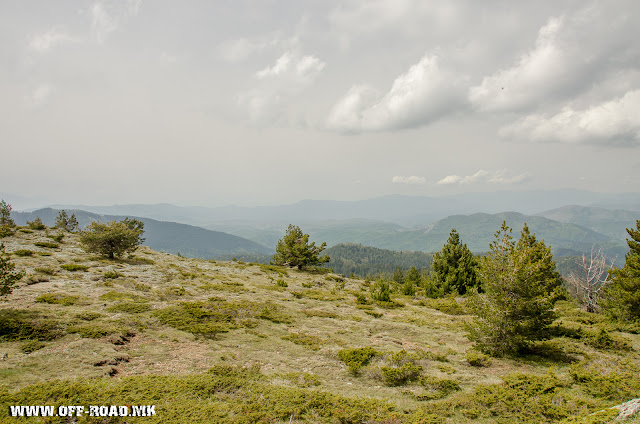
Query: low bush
<point x="57" y="238"/>
<point x="46" y="244"/>
<point x="129" y="308"/>
<point x="32" y="346"/>
<point x="437" y="388"/>
<point x="74" y="267"/>
<point x="20" y="324"/>
<point x="57" y="299"/>
<point x="380" y="291"/>
<point x="23" y="252"/>
<point x="36" y="224"/>
<point x="110" y="275"/>
<point x="478" y="359"/>
<point x="46" y="270"/>
<point x="357" y="358"/>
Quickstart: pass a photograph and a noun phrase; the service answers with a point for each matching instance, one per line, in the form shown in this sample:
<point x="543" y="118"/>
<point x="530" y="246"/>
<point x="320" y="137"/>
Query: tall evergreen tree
<point x="454" y="267"/>
<point x="622" y="296"/>
<point x="520" y="285"/>
<point x="294" y="249"/>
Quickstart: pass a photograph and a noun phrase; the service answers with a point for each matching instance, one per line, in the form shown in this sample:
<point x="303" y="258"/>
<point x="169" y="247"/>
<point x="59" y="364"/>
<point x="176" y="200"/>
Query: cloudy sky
<point x="267" y="102"/>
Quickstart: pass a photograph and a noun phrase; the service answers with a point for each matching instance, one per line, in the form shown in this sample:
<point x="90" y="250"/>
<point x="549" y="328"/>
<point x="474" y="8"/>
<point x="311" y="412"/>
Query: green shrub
<point x="74" y="267"/>
<point x="437" y="388"/>
<point x="281" y="283"/>
<point x="401" y="368"/>
<point x="46" y="270"/>
<point x="46" y="244"/>
<point x="23" y="252"/>
<point x="380" y="291"/>
<point x="607" y="378"/>
<point x="129" y="308"/>
<point x="57" y="299"/>
<point x="478" y="359"/>
<point x="357" y="358"/>
<point x="447" y="305"/>
<point x="20" y="324"/>
<point x="6" y="231"/>
<point x="399" y="376"/>
<point x="36" y="224"/>
<point x="88" y="315"/>
<point x="32" y="346"/>
<point x="110" y="275"/>
<point x="57" y="238"/>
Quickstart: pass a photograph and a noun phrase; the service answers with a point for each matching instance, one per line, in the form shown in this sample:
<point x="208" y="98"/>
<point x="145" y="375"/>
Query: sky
<point x="269" y="102"/>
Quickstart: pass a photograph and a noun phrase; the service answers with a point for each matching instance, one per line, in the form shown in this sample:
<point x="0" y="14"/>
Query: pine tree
<point x="5" y="215"/>
<point x="520" y="286"/>
<point x="622" y="296"/>
<point x="113" y="239"/>
<point x="8" y="278"/>
<point x="454" y="267"/>
<point x="398" y="276"/>
<point x="66" y="223"/>
<point x="294" y="250"/>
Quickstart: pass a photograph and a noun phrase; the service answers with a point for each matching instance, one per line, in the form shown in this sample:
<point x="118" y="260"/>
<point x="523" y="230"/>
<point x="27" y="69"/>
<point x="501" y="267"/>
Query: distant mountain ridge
<point x="170" y="237"/>
<point x="408" y="211"/>
<point x="605" y="221"/>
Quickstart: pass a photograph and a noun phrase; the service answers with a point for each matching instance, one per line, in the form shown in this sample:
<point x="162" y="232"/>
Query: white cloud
<point x="40" y="95"/>
<point x="613" y="122"/>
<point x="572" y="53"/>
<point x="107" y="16"/>
<point x="278" y="85"/>
<point x="482" y="176"/>
<point x="49" y="39"/>
<point x="419" y="96"/>
<point x="295" y="67"/>
<point x="408" y="180"/>
<point x="536" y="73"/>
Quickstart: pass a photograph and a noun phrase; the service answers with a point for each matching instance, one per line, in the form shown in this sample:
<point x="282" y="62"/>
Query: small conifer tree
<point x="113" y="239"/>
<point x="66" y="223"/>
<point x="294" y="250"/>
<point x="454" y="267"/>
<point x="8" y="277"/>
<point x="5" y="215"/>
<point x="521" y="285"/>
<point x="622" y="296"/>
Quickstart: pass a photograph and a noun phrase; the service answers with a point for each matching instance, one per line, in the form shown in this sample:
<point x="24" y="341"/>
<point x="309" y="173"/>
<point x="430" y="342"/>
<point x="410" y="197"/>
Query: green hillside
<point x="218" y="342"/>
<point x="605" y="221"/>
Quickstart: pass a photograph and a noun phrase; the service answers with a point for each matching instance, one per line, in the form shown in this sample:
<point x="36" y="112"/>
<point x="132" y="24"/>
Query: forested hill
<point x="347" y="258"/>
<point x="170" y="237"/>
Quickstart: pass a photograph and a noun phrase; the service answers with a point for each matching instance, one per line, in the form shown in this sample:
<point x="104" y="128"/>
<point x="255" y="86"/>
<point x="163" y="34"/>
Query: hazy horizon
<point x="252" y="103"/>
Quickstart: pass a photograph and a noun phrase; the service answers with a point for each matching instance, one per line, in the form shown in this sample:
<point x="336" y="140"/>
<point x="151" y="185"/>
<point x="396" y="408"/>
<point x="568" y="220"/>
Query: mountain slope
<point x="605" y="221"/>
<point x="169" y="237"/>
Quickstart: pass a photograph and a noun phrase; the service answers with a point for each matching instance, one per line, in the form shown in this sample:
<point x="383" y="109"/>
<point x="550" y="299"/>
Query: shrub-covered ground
<point x="210" y="341"/>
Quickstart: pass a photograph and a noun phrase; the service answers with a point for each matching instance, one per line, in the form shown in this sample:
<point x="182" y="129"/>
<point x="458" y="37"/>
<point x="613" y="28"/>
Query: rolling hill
<point x="170" y="237"/>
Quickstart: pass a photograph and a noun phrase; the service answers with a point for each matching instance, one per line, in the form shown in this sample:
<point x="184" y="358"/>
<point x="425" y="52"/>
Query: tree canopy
<point x="622" y="296"/>
<point x="113" y="239"/>
<point x="8" y="277"/>
<point x="454" y="267"/>
<point x="521" y="285"/>
<point x="294" y="250"/>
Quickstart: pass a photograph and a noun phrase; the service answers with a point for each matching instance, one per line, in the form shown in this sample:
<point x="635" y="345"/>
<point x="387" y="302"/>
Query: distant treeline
<point x="363" y="261"/>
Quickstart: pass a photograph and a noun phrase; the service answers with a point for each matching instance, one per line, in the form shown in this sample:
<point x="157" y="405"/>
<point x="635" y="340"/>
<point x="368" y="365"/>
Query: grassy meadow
<point x="209" y="341"/>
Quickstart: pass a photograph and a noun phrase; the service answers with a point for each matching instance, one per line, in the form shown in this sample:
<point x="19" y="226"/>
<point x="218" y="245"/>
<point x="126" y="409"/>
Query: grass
<point x="319" y="350"/>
